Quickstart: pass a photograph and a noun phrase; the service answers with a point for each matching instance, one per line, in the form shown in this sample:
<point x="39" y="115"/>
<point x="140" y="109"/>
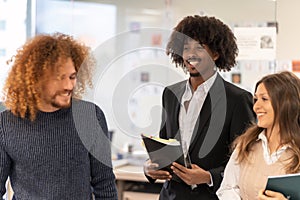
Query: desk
<point x="127" y="173"/>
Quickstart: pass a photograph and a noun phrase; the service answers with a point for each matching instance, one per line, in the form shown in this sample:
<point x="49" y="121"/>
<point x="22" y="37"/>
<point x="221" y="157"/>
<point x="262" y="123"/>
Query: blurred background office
<point x="128" y="38"/>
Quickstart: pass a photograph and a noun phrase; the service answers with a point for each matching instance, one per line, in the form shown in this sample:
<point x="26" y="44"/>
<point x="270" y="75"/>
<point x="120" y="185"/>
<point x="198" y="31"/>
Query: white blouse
<point x="229" y="188"/>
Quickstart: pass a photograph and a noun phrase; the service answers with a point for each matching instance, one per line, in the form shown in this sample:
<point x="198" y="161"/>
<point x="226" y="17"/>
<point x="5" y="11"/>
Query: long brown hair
<point x="284" y="91"/>
<point x="38" y="55"/>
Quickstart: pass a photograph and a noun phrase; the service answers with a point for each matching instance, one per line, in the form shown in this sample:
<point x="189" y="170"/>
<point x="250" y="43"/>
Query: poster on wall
<point x="296" y="66"/>
<point x="256" y="43"/>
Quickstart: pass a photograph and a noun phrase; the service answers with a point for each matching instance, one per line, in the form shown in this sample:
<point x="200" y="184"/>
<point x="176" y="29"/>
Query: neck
<point x="274" y="141"/>
<point x="195" y="81"/>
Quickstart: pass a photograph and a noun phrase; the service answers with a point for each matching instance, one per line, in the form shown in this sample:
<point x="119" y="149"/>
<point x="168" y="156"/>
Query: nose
<point x="191" y="54"/>
<point x="69" y="84"/>
<point x="192" y="51"/>
<point x="256" y="105"/>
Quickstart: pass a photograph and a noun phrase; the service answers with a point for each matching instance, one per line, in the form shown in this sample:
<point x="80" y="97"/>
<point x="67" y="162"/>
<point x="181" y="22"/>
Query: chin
<point x="66" y="106"/>
<point x="261" y="125"/>
<point x="61" y="105"/>
<point x="195" y="74"/>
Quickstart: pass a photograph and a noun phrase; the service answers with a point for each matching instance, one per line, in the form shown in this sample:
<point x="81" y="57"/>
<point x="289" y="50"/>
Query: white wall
<point x="129" y="121"/>
<point x="288" y="41"/>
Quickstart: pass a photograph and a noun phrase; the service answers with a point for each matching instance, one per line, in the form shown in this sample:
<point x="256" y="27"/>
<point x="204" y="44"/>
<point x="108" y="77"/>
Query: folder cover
<point x="164" y="152"/>
<point x="287" y="184"/>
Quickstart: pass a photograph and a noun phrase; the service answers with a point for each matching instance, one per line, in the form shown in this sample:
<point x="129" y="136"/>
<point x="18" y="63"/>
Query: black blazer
<point x="226" y="112"/>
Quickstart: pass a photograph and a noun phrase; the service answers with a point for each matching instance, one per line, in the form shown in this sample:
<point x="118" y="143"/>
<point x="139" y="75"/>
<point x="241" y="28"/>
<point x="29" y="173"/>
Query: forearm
<point x="216" y="177"/>
<point x="104" y="185"/>
<point x="229" y="188"/>
<point x="5" y="163"/>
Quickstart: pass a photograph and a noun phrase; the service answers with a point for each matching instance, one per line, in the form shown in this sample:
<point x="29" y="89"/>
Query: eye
<point x="264" y="98"/>
<point x="73" y="77"/>
<point x="254" y="99"/>
<point x="200" y="47"/>
<point x="185" y="48"/>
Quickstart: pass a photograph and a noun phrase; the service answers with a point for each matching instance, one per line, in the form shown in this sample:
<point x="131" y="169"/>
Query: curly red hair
<point x="38" y="55"/>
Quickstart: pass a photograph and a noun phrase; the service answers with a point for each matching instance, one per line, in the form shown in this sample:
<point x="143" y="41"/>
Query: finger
<point x="261" y="195"/>
<point x="183" y="176"/>
<point x="149" y="163"/>
<point x="261" y="192"/>
<point x="149" y="166"/>
<point x="160" y="174"/>
<point x="274" y="194"/>
<point x="179" y="173"/>
<point x="162" y="177"/>
<point x="195" y="166"/>
<point x="178" y="166"/>
<point x="153" y="166"/>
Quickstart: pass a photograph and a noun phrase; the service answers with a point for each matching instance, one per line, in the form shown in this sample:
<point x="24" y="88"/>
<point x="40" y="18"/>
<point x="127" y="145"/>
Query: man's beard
<point x="195" y="74"/>
<point x="58" y="104"/>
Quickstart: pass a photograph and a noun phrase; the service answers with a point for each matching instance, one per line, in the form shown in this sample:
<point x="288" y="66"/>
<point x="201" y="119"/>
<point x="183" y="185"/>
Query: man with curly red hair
<point x="52" y="144"/>
<point x="204" y="112"/>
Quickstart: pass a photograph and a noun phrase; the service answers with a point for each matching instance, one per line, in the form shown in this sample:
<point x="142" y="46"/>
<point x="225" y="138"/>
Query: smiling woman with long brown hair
<point x="269" y="147"/>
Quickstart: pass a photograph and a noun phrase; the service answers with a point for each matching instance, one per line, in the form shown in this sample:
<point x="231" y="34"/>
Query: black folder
<point x="164" y="153"/>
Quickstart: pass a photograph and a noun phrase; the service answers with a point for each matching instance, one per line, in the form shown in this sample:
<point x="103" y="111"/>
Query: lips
<point x="65" y="94"/>
<point x="261" y="117"/>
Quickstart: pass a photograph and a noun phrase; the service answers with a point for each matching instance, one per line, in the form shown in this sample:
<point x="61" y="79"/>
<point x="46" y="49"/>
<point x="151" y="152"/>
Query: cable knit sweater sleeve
<point x="5" y="162"/>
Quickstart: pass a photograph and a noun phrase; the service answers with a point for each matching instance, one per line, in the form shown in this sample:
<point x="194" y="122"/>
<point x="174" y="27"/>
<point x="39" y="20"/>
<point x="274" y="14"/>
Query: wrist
<point x="208" y="178"/>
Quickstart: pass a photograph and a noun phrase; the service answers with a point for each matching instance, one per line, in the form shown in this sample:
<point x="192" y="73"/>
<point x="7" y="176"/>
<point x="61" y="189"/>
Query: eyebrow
<point x="261" y="94"/>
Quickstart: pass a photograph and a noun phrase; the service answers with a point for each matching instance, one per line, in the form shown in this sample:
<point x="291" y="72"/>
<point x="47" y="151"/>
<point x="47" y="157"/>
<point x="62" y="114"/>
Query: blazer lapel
<point x="213" y="107"/>
<point x="178" y="91"/>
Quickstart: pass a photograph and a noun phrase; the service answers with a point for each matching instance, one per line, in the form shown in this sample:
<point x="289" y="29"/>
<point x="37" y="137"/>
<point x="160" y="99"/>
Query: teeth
<point x="65" y="94"/>
<point x="193" y="63"/>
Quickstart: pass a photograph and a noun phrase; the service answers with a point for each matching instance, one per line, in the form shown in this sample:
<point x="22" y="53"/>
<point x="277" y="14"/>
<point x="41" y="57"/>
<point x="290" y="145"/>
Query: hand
<point x="195" y="175"/>
<point x="270" y="195"/>
<point x="150" y="169"/>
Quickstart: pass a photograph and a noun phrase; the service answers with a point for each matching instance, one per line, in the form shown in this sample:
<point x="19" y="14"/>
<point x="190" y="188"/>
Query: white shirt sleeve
<point x="211" y="181"/>
<point x="229" y="188"/>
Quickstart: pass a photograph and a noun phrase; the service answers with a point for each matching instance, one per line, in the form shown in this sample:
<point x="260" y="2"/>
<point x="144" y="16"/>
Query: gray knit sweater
<point x="61" y="155"/>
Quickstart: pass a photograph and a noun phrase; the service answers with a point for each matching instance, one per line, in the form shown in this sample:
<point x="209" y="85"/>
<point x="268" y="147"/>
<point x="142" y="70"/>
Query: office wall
<point x="135" y="108"/>
<point x="288" y="41"/>
<point x="285" y="12"/>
